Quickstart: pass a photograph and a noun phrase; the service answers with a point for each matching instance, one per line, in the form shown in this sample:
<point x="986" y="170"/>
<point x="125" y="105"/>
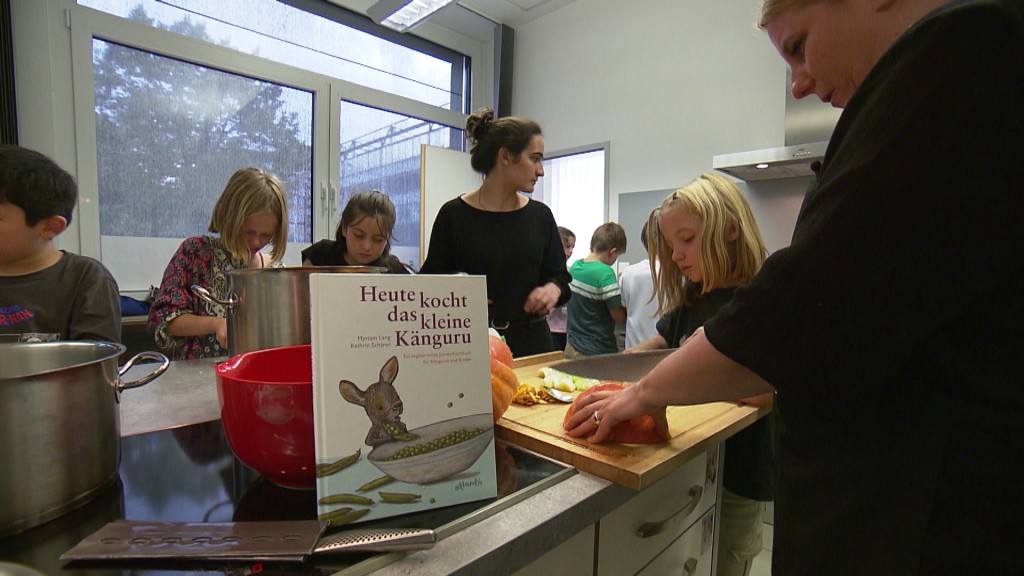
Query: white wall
<point x="776" y="204"/>
<point x="670" y="83"/>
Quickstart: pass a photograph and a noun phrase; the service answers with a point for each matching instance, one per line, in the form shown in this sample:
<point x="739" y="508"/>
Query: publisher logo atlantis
<point x="463" y="484"/>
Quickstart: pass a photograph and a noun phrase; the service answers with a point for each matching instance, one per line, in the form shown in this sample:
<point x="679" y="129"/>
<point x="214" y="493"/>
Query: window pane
<point x="285" y="34"/>
<point x="380" y="150"/>
<point x="574" y="187"/>
<point x="169" y="134"/>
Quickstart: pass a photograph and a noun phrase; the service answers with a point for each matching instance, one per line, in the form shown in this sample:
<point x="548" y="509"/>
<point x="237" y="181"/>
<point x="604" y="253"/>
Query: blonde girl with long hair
<point x="707" y="242"/>
<point x="251" y="213"/>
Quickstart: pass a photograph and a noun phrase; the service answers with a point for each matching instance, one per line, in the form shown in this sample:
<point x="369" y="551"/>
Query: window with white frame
<point x="169" y="134"/>
<point x="172" y="119"/>
<point x="380" y="150"/>
<point x="328" y="43"/>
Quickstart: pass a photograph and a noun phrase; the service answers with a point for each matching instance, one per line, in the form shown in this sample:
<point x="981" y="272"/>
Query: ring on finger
<point x="596" y="418"/>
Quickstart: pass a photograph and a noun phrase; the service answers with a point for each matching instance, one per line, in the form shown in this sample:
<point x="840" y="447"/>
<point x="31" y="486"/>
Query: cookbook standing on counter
<point x="892" y="326"/>
<point x="498" y="232"/>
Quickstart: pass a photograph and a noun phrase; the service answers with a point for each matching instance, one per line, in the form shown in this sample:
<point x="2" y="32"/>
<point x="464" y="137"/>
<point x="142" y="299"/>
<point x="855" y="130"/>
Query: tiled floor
<point x="763" y="563"/>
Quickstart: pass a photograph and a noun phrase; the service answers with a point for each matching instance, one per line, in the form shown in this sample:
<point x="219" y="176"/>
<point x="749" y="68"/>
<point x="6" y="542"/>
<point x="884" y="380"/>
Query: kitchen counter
<point x="496" y="544"/>
<point x="187" y="394"/>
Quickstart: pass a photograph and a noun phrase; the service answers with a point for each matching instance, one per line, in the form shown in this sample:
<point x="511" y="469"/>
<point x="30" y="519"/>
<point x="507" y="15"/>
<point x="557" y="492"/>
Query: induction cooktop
<point x="189" y="474"/>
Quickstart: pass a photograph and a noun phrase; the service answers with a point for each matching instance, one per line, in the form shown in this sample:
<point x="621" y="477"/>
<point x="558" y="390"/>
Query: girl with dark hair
<point x="363" y="237"/>
<point x="497" y="231"/>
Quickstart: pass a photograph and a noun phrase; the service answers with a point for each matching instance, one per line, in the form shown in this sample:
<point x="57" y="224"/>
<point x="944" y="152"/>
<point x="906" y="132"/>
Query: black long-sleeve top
<point x="517" y="251"/>
<point x="893" y="326"/>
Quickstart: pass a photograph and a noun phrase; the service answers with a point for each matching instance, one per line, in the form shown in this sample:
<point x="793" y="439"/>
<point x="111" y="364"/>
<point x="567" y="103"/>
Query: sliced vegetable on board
<point x="566" y="382"/>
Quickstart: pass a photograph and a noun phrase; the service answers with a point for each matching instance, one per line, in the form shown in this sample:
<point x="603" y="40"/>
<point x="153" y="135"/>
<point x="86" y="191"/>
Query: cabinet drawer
<point x="636" y="532"/>
<point x="690" y="554"/>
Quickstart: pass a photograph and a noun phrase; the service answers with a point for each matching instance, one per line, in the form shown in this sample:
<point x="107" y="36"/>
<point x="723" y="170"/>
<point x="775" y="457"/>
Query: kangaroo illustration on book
<point x="382" y="404"/>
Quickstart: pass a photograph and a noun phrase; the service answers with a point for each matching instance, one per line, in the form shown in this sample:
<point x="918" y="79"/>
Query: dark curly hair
<point x="489" y="136"/>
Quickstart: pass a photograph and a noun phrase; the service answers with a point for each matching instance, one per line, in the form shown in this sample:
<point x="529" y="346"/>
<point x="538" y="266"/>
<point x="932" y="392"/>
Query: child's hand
<point x="222" y="332"/>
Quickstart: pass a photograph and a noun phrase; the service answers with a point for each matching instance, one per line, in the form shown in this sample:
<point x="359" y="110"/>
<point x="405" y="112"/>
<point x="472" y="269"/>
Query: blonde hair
<point x="772" y="8"/>
<point x="250" y="191"/>
<point x="720" y="206"/>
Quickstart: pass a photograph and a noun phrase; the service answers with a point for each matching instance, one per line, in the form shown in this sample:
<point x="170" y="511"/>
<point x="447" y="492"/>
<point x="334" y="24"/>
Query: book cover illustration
<point x="401" y="394"/>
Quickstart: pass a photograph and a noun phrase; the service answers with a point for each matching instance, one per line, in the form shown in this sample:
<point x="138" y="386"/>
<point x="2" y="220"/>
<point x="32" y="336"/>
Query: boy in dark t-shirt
<point x="47" y="294"/>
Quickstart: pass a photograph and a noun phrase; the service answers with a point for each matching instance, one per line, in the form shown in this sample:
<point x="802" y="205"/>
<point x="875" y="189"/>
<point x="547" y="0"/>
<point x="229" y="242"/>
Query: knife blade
<point x="617" y="367"/>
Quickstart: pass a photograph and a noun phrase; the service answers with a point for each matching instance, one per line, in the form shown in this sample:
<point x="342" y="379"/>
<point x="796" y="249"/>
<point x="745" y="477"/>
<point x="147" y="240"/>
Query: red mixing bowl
<point x="266" y="406"/>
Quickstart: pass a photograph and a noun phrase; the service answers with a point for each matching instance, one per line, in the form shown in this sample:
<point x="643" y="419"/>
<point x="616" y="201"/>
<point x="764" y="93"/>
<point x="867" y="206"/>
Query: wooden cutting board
<point x="694" y="429"/>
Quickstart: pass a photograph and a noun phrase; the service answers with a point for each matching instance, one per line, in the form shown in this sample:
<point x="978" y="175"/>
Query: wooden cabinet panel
<point x="646" y="525"/>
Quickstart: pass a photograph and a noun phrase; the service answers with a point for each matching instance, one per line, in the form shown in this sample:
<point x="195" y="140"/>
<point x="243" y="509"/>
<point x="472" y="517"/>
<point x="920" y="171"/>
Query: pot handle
<point x="122" y="386"/>
<point x="203" y="293"/>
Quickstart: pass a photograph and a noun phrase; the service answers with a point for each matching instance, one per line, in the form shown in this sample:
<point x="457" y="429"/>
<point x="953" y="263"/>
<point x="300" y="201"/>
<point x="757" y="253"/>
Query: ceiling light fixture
<point x="403" y="15"/>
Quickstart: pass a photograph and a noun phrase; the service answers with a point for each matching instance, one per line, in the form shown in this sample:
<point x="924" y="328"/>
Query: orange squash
<point x="500" y="351"/>
<point x="639" y="430"/>
<point x="504" y="384"/>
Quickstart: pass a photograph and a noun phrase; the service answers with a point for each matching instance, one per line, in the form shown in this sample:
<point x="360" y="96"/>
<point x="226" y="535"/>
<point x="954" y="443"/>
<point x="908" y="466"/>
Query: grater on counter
<point x="286" y="541"/>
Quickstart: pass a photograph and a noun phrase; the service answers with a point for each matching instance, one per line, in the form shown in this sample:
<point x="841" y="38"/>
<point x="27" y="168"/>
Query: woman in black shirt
<point x="498" y="232"/>
<point x="891" y="327"/>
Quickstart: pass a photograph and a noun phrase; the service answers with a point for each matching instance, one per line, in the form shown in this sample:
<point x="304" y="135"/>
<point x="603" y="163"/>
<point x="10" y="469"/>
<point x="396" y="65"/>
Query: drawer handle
<point x="690" y="568"/>
<point x="648" y="529"/>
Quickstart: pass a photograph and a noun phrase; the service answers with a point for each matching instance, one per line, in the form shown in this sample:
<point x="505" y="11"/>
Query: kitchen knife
<point x="615" y="367"/>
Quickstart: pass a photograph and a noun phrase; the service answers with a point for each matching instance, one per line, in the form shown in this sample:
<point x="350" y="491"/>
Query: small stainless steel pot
<point x="60" y="426"/>
<point x="269" y="307"/>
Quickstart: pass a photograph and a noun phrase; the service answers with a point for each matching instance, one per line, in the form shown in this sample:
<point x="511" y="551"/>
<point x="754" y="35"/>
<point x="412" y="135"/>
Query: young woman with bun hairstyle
<point x="499" y="232"/>
<point x="363" y="236"/>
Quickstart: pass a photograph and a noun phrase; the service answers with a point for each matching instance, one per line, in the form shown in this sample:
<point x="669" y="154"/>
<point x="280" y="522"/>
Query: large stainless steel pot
<point x="269" y="307"/>
<point x="60" y="427"/>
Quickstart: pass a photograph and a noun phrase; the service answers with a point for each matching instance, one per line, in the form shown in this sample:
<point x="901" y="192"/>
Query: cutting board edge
<point x="510" y="432"/>
<point x="642" y="472"/>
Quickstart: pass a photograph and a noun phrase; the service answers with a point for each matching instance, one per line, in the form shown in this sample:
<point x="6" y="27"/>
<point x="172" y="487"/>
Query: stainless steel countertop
<point x="185" y="394"/>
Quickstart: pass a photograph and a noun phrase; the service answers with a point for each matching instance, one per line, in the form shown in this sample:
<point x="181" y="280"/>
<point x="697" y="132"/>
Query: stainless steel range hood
<point x="809" y="125"/>
<point x="771" y="163"/>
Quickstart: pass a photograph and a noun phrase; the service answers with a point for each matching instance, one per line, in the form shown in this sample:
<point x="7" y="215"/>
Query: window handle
<point x="333" y="205"/>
